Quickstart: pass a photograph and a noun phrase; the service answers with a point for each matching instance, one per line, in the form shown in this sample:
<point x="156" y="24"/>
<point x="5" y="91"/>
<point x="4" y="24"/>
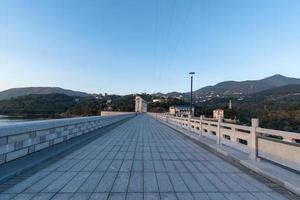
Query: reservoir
<point x="5" y="120"/>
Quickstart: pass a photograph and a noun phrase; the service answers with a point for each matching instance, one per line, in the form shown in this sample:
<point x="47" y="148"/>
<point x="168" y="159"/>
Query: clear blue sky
<point x="129" y="46"/>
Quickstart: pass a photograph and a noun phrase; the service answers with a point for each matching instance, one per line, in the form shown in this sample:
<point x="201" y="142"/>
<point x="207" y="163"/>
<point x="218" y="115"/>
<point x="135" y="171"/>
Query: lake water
<point x="5" y="120"/>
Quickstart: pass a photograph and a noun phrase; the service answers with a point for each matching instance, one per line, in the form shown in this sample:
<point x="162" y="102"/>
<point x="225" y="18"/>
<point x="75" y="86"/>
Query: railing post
<point x="287" y="139"/>
<point x="181" y="122"/>
<point x="189" y="123"/>
<point x="219" y="131"/>
<point x="233" y="136"/>
<point x="201" y="118"/>
<point x="253" y="139"/>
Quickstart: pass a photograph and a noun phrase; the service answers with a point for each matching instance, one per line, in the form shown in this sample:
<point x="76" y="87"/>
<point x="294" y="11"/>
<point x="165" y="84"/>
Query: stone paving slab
<point x="284" y="177"/>
<point x="141" y="159"/>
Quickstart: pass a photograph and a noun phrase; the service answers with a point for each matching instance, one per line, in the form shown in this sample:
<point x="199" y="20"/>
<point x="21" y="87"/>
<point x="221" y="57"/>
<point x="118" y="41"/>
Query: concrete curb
<point x="295" y="189"/>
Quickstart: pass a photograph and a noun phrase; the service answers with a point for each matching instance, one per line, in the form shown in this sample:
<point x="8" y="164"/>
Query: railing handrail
<point x="210" y="121"/>
<point x="278" y="133"/>
<point x="281" y="147"/>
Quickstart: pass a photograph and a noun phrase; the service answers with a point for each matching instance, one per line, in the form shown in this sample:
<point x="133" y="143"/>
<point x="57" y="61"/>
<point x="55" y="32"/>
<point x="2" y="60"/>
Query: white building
<point x="140" y="105"/>
<point x="156" y="100"/>
<point x="218" y="113"/>
<point x="181" y="110"/>
<point x="160" y="100"/>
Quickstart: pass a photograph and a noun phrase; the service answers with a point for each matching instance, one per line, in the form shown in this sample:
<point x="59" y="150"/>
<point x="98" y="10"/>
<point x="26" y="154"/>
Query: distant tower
<point x="140" y="105"/>
<point x="230" y="104"/>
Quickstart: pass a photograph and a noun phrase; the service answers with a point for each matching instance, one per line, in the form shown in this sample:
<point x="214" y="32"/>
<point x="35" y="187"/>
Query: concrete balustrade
<point x="277" y="146"/>
<point x="21" y="139"/>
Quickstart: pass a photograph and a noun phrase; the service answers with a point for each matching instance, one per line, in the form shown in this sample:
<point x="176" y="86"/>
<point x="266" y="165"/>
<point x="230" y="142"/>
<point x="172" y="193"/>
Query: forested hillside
<point x="48" y="105"/>
<point x="277" y="108"/>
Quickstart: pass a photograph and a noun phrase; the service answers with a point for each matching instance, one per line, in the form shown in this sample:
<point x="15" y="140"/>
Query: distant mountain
<point x="159" y="94"/>
<point x="174" y="94"/>
<point x="279" y="92"/>
<point x="239" y="88"/>
<point x="16" y="92"/>
<point x="277" y="108"/>
<point x="246" y="87"/>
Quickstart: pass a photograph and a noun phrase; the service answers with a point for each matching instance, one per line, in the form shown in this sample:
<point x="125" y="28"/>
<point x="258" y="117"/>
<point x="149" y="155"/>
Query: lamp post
<point x="191" y="103"/>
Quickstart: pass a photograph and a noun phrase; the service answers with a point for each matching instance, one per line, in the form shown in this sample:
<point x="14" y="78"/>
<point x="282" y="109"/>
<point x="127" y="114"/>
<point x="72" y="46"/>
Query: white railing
<point x="277" y="146"/>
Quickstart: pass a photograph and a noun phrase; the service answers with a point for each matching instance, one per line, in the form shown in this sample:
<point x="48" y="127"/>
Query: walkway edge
<point x="292" y="187"/>
<point x="23" y="164"/>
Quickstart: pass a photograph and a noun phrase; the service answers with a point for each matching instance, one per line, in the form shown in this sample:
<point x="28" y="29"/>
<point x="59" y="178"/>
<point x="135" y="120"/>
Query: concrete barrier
<point x="113" y="113"/>
<point x="24" y="138"/>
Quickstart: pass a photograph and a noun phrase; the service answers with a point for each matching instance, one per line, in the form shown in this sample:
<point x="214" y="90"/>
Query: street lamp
<point x="191" y="103"/>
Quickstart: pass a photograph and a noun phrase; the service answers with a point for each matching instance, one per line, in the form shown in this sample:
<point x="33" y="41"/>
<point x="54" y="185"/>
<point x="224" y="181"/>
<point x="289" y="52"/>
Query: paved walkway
<point x="141" y="159"/>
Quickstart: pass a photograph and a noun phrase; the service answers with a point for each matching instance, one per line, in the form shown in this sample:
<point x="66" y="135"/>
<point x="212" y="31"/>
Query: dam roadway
<point x="140" y="159"/>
